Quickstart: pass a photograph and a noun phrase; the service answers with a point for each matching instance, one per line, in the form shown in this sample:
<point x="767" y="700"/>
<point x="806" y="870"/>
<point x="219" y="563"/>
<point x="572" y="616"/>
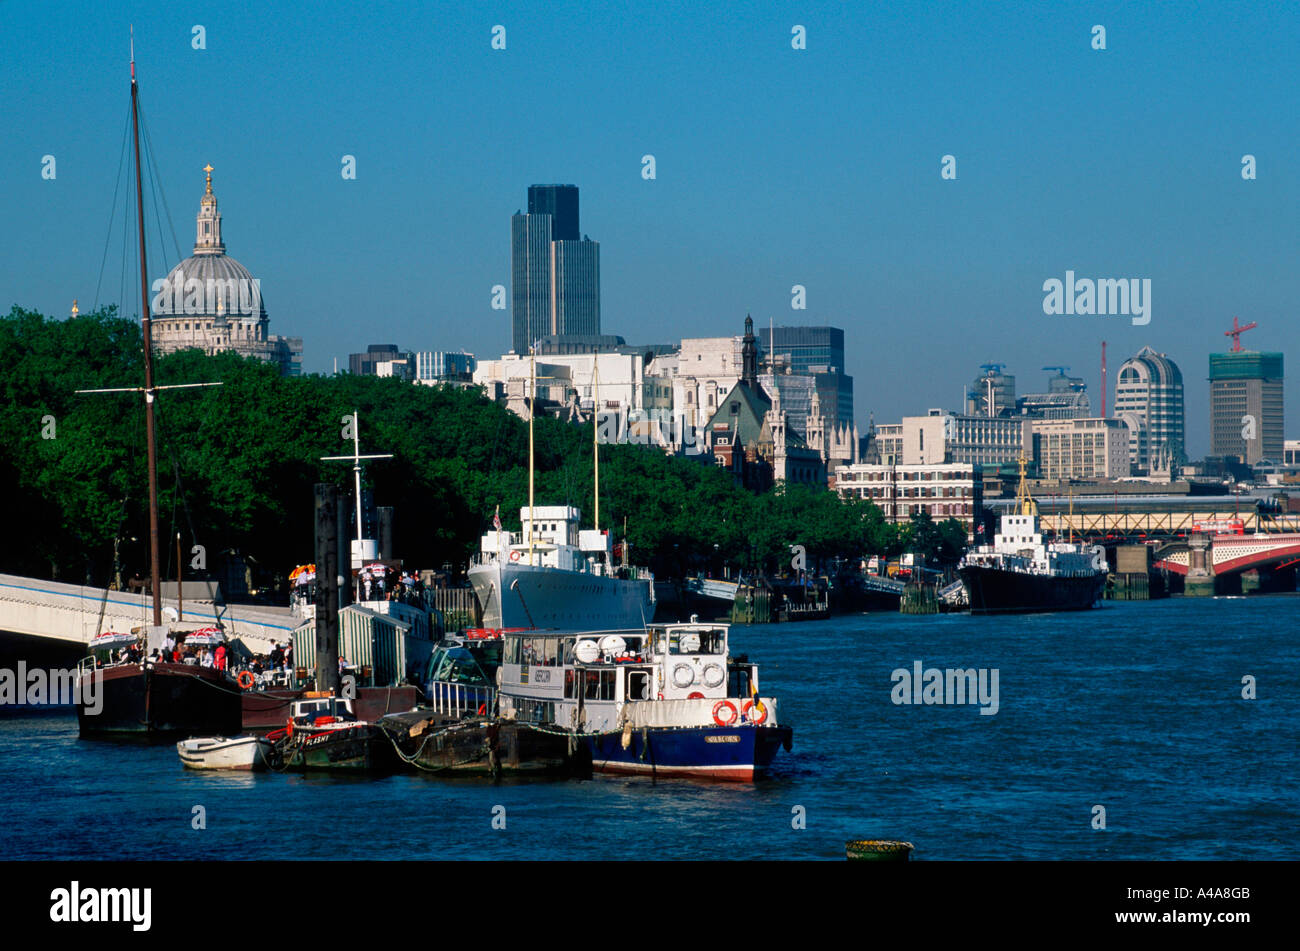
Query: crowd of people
<point x="370" y="584"/>
<point x="175" y="650"/>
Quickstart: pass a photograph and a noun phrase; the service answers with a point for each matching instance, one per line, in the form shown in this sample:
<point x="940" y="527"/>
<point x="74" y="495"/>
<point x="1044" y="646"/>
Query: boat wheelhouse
<point x="666" y="699"/>
<point x="323" y="732"/>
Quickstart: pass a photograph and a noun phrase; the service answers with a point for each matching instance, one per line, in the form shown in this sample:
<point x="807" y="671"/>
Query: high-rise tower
<point x="1149" y="398"/>
<point x="555" y="273"/>
<point x="1246" y="402"/>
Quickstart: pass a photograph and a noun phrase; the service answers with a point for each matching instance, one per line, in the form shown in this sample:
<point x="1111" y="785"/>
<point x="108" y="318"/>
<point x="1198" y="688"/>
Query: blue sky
<point x="775" y="167"/>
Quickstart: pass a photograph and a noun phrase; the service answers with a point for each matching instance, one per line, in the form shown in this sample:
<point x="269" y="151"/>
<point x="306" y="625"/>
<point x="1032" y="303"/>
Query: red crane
<point x="1236" y="332"/>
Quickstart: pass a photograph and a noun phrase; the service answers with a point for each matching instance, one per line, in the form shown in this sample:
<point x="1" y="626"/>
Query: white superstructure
<point x="554" y="574"/>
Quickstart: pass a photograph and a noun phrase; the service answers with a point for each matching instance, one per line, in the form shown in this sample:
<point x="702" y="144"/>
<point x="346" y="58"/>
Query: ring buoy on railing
<point x="729" y="707"/>
<point x="245" y="680"/>
<point x="514" y="556"/>
<point x="753" y="705"/>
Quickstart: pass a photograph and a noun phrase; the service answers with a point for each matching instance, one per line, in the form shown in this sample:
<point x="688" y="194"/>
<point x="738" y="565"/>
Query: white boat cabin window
<point x="594" y="684"/>
<point x="534" y="651"/>
<point x="637" y="686"/>
<point x="692" y="642"/>
<point x="598" y="685"/>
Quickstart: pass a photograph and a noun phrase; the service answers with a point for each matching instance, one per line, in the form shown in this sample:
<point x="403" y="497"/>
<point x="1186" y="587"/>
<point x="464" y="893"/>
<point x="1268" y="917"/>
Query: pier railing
<point x="458" y="700"/>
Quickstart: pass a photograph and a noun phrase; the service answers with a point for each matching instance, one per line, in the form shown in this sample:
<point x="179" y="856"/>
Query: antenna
<point x="356" y="458"/>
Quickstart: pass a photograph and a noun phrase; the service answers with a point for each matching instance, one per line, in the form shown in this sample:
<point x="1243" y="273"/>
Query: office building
<point x="1246" y="414"/>
<point x="943" y="490"/>
<point x="817" y="352"/>
<point x="555" y="272"/>
<point x="1149" y="398"/>
<point x="1082" y="449"/>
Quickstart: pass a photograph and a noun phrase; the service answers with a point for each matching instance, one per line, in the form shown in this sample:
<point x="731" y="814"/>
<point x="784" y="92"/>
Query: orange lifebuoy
<point x="730" y="707"/>
<point x="245" y="680"/>
<point x="514" y="556"/>
<point x="751" y="705"/>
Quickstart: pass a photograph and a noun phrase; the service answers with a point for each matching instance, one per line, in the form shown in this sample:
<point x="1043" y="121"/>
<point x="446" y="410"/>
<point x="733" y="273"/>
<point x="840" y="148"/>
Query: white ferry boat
<point x="555" y="575"/>
<point x="662" y="700"/>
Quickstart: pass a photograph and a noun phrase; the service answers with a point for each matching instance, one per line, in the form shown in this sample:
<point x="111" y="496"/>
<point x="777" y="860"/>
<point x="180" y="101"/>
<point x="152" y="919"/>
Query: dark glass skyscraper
<point x="561" y="203"/>
<point x="817" y="352"/>
<point x="555" y="273"/>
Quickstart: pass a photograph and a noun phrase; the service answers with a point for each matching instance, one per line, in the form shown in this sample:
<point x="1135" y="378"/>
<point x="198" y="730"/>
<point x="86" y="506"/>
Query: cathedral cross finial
<point x="208" y="168"/>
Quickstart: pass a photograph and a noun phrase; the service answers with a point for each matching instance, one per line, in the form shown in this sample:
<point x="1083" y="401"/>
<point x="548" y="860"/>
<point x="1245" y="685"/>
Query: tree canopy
<point x="237" y="464"/>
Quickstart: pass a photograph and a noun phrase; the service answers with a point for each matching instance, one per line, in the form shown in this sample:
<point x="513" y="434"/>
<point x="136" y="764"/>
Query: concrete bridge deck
<point x="71" y="613"/>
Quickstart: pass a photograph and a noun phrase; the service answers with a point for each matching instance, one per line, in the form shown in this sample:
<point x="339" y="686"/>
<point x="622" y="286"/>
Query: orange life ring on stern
<point x="245" y="680"/>
<point x="762" y="712"/>
<point x="729" y="706"/>
<point x="514" y="556"/>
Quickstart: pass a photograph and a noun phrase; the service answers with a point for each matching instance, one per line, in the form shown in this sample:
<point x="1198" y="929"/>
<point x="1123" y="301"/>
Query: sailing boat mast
<point x="155" y="585"/>
<point x="532" y="411"/>
<point x="595" y="432"/>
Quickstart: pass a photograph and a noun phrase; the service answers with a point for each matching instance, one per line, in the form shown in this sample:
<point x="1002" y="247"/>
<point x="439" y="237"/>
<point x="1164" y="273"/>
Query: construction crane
<point x="991" y="368"/>
<point x="1236" y="332"/>
<point x="1059" y="370"/>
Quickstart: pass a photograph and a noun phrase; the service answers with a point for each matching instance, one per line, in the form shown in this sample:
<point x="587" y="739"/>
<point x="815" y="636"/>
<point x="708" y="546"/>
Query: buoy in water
<point x="877" y="850"/>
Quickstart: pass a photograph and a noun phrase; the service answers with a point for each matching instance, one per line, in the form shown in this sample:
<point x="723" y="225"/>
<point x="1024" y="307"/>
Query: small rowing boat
<point x="219" y="752"/>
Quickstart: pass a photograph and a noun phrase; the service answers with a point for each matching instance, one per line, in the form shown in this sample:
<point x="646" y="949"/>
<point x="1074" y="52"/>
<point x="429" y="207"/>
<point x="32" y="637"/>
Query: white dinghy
<point x="219" y="752"/>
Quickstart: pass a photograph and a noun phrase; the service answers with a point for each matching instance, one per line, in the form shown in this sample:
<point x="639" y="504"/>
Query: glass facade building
<point x="555" y="274"/>
<point x="1149" y="398"/>
<point x="817" y="352"/>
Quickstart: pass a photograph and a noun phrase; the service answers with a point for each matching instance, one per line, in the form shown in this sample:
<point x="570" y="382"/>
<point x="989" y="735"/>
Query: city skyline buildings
<point x="746" y="203"/>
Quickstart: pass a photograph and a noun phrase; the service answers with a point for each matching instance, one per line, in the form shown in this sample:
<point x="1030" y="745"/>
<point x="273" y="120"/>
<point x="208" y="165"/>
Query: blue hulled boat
<point x="666" y="700"/>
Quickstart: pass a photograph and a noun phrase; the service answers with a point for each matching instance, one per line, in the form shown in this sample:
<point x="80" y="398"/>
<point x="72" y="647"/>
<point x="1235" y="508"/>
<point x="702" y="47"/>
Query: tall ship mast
<point x="140" y="695"/>
<point x="554" y="573"/>
<point x="1020" y="573"/>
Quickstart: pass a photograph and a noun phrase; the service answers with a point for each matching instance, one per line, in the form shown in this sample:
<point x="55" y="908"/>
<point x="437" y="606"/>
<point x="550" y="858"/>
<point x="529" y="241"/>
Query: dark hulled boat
<point x="999" y="591"/>
<point x="459" y="732"/>
<point x="487" y="747"/>
<point x="265" y="710"/>
<point x="1020" y="573"/>
<point x="324" y="734"/>
<point x="157" y="698"/>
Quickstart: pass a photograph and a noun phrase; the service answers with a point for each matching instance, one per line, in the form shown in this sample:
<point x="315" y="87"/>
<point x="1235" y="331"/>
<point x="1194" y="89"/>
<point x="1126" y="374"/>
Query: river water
<point x="1136" y="708"/>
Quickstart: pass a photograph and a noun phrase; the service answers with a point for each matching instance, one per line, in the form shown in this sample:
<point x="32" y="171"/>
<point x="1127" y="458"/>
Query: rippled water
<point x="1136" y="707"/>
